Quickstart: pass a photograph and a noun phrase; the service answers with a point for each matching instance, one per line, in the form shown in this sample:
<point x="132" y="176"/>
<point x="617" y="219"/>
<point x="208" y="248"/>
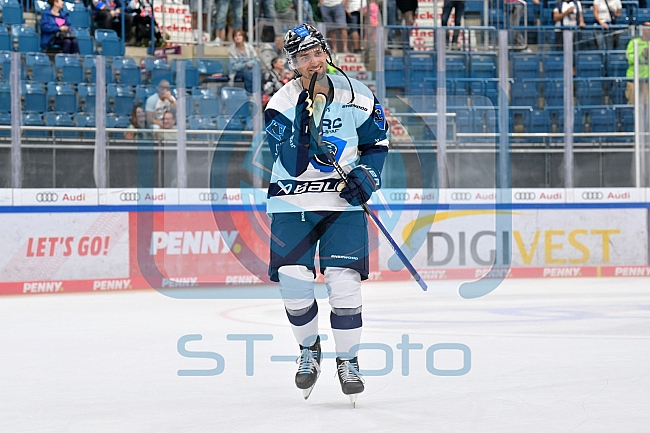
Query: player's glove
<point x="363" y="180"/>
<point x="304" y="111"/>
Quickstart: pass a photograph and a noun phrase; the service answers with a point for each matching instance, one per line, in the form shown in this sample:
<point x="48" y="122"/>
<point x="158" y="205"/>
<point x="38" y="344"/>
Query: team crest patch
<point x="275" y="129"/>
<point x="335" y="146"/>
<point x="380" y="119"/>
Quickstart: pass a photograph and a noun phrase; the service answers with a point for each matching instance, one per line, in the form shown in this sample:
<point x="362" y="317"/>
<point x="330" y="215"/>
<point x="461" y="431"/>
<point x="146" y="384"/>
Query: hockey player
<point x="311" y="207"/>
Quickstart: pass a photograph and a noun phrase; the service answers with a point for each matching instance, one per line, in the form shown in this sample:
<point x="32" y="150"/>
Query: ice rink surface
<point x="553" y="355"/>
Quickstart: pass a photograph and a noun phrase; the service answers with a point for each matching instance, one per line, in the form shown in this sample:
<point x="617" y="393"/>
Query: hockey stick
<point x="319" y="102"/>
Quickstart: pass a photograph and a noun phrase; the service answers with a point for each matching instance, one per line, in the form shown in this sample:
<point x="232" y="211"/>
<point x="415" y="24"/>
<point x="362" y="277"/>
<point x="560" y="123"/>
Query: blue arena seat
<point x="525" y="93"/>
<point x="5" y="98"/>
<point x="79" y="15"/>
<point x="28" y="39"/>
<point x="394" y="71"/>
<point x="115" y="121"/>
<point x="70" y="68"/>
<point x="540" y="122"/>
<point x="127" y="71"/>
<point x="89" y="62"/>
<point x="211" y="71"/>
<point x="625" y="119"/>
<point x="642" y="15"/>
<point x="483" y="66"/>
<point x="6" y="42"/>
<point x="87" y="96"/>
<point x="206" y="102"/>
<point x="5" y="120"/>
<point x="419" y="66"/>
<point x="63" y="96"/>
<point x="42" y="69"/>
<point x="121" y="97"/>
<point x="86" y="120"/>
<point x="552" y="65"/>
<point x="589" y="92"/>
<point x="232" y="99"/>
<point x="590" y="64"/>
<point x="85" y="41"/>
<point x="464" y="121"/>
<point x="61" y="119"/>
<point x="456" y="65"/>
<point x="525" y="65"/>
<point x="191" y="72"/>
<point x="616" y="64"/>
<point x="616" y="91"/>
<point x="602" y="119"/>
<point x="34" y="119"/>
<point x="34" y="97"/>
<point x="12" y="12"/>
<point x="109" y="42"/>
<point x="554" y="92"/>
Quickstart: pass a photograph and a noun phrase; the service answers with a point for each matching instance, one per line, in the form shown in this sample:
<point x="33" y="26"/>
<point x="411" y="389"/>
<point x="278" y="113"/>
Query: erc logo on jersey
<point x="275" y="129"/>
<point x="335" y="146"/>
<point x="380" y="118"/>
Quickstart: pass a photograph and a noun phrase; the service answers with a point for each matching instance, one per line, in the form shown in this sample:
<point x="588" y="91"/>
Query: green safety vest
<point x="643" y="61"/>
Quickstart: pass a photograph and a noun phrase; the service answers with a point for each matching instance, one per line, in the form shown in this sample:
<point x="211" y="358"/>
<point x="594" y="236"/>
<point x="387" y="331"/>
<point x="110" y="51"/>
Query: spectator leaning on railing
<point x="567" y="13"/>
<point x="642" y="51"/>
<point x="56" y="29"/>
<point x="605" y="14"/>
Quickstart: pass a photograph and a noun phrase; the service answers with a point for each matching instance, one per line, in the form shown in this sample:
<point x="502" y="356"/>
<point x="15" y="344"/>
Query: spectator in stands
<point x="333" y="13"/>
<point x="353" y="17"/>
<point x="515" y="12"/>
<point x="269" y="51"/>
<point x="459" y="10"/>
<point x="605" y="13"/>
<point x="408" y="8"/>
<point x="222" y="14"/>
<point x="139" y="122"/>
<point x="567" y="13"/>
<point x="56" y="29"/>
<point x="643" y="42"/>
<point x="285" y="10"/>
<point x="107" y="16"/>
<point x="168" y="140"/>
<point x="241" y="59"/>
<point x="159" y="103"/>
<point x="141" y="13"/>
<point x="274" y="79"/>
<point x="264" y="9"/>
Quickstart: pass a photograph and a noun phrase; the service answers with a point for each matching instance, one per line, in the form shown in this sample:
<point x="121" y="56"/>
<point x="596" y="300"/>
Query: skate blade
<point x="353" y="400"/>
<point x="307" y="392"/>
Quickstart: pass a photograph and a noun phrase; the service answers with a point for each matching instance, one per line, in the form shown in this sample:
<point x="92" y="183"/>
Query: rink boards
<point x="85" y="240"/>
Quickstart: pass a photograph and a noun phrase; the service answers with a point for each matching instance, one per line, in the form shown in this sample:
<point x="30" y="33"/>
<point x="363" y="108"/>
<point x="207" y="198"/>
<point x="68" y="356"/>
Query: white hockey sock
<point x="305" y="326"/>
<point x="347" y="342"/>
<point x="307" y="333"/>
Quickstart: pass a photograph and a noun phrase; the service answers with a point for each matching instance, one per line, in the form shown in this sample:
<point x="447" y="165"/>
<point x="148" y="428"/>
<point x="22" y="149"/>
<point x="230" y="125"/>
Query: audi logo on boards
<point x="47" y="197"/>
<point x="592" y="195"/>
<point x="208" y="196"/>
<point x="400" y="196"/>
<point x="525" y="196"/>
<point x="129" y="196"/>
<point x="461" y="196"/>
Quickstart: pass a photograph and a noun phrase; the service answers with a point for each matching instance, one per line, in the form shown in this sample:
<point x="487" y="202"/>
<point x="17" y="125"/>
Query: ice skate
<point x="351" y="381"/>
<point x="308" y="367"/>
